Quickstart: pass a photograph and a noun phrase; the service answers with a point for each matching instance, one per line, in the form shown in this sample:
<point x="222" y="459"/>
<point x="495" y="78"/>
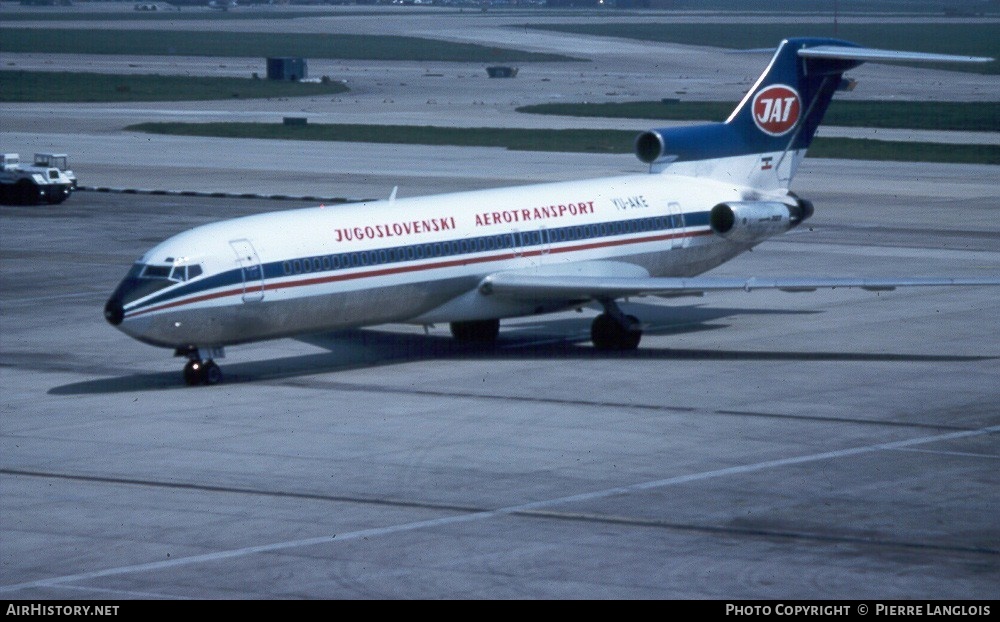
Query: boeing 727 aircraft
<point x="470" y="259"/>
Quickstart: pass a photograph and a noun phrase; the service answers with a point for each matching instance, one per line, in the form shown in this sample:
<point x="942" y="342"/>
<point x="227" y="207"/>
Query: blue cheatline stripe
<point x="333" y="267"/>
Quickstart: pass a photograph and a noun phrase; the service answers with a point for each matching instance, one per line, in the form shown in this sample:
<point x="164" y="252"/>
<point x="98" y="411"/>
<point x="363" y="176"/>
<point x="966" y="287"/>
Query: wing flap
<point x="564" y="287"/>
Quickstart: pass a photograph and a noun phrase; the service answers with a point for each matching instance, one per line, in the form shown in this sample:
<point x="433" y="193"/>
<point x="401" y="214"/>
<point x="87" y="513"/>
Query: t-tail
<point x="766" y="137"/>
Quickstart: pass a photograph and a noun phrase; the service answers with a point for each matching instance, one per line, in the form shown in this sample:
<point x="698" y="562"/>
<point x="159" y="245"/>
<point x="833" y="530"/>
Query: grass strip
<point x="963" y="38"/>
<point x="954" y="116"/>
<point x="250" y="44"/>
<point x="575" y="141"/>
<point x="41" y="86"/>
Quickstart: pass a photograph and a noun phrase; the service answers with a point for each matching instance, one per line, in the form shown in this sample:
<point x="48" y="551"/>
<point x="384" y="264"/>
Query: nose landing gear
<point x="198" y="370"/>
<point x="202" y="372"/>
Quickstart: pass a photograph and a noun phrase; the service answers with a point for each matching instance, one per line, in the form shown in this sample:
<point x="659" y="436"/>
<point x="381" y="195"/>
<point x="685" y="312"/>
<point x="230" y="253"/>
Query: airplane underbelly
<point x="271" y="318"/>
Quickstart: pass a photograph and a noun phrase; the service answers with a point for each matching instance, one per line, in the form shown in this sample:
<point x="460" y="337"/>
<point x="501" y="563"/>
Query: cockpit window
<point x="178" y="274"/>
<point x="156" y="272"/>
<point x="145" y="279"/>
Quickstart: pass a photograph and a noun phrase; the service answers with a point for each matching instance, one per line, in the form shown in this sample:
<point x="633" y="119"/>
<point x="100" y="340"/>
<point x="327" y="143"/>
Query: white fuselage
<point x="415" y="260"/>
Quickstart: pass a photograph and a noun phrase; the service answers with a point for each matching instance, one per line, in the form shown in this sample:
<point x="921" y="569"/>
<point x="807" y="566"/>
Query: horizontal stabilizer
<point x="844" y="52"/>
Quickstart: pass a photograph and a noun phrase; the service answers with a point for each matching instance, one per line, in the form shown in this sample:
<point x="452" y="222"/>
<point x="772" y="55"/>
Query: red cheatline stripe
<point x="415" y="268"/>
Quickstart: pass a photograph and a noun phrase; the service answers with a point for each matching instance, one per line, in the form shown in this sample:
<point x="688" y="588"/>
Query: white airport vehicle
<point x="31" y="184"/>
<point x="56" y="160"/>
<point x="473" y="258"/>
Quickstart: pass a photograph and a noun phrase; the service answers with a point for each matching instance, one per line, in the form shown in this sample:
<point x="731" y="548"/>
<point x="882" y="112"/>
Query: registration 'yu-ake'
<point x="472" y="258"/>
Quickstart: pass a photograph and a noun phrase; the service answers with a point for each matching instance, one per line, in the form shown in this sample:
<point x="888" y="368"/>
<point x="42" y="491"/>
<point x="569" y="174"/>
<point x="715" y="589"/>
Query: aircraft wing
<point x="570" y="287"/>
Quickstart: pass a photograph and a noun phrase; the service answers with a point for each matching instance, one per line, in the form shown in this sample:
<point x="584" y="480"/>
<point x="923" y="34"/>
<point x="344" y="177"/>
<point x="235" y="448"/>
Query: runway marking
<point x="501" y="512"/>
<point x="544" y="514"/>
<point x="121" y="593"/>
<point x="950" y="453"/>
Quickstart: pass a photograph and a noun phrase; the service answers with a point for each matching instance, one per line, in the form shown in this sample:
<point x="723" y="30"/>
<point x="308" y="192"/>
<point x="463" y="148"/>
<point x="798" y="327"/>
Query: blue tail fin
<point x="765" y="138"/>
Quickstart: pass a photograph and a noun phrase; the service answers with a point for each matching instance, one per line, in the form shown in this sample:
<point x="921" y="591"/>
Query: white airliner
<point x="472" y="258"/>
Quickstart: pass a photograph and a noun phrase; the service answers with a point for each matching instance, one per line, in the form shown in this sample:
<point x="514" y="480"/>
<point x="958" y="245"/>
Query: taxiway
<point x="841" y="444"/>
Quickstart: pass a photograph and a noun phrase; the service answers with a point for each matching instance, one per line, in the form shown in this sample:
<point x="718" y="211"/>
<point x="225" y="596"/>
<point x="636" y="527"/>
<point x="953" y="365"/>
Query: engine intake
<point x="688" y="143"/>
<point x="649" y="146"/>
<point x="753" y="221"/>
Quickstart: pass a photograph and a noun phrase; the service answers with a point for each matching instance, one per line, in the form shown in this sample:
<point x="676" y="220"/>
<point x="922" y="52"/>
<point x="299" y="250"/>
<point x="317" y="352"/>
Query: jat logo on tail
<point x="776" y="109"/>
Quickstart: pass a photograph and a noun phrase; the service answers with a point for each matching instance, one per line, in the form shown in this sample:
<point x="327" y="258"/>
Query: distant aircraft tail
<point x="766" y="137"/>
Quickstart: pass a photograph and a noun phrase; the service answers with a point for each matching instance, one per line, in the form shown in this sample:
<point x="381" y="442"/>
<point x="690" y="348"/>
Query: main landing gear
<point x="613" y="330"/>
<point x="478" y="331"/>
<point x="200" y="371"/>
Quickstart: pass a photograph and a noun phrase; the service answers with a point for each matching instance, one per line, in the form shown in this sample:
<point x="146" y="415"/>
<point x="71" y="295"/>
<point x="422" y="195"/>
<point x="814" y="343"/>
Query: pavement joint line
<point x="534" y="399"/>
<point x="501" y="512"/>
<point x="220" y="195"/>
<point x="758" y="532"/>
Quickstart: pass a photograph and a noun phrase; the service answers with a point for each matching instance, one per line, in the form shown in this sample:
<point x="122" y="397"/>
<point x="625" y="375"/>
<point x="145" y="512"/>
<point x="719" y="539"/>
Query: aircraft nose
<point x="114" y="313"/>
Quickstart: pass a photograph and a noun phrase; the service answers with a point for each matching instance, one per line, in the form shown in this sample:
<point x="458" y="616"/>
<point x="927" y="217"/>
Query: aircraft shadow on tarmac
<point x="557" y="339"/>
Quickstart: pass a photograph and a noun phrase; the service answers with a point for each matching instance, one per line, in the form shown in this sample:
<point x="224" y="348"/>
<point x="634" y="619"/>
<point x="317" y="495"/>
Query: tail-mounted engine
<point x="695" y="142"/>
<point x="753" y="221"/>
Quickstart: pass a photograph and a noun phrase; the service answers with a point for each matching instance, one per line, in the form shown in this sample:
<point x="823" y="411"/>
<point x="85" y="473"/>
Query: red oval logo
<point x="776" y="109"/>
